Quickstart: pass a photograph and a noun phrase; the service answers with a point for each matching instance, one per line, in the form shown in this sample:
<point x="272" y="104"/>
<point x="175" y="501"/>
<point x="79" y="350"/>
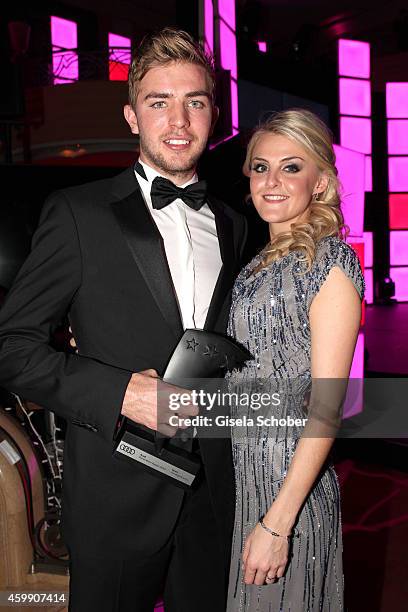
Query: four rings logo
<point x="126" y="449"/>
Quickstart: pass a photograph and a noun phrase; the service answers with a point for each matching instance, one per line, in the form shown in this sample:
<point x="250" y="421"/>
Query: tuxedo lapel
<point x="227" y="273"/>
<point x="147" y="248"/>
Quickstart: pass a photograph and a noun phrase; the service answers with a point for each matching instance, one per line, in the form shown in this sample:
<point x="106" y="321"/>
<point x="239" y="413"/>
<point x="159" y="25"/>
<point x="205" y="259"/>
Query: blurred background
<point x="64" y="67"/>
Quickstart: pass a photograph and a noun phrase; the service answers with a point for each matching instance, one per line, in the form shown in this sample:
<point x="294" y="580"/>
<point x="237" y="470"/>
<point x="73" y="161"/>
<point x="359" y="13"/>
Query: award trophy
<point x="199" y="354"/>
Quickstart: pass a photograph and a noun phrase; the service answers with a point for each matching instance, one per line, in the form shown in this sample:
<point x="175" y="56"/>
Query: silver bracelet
<point x="273" y="533"/>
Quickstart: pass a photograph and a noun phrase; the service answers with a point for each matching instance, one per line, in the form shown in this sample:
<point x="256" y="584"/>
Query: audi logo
<point x="127" y="449"/>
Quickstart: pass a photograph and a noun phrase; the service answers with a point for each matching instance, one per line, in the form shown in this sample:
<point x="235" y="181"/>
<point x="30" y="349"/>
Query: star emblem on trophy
<point x="210" y="350"/>
<point x="192" y="344"/>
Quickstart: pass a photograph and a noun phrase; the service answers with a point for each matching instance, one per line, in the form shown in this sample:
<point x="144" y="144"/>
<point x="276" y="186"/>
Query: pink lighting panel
<point x="355" y="97"/>
<point x="398" y="136"/>
<point x="351" y="169"/>
<point x="354" y="58"/>
<point x="228" y="52"/>
<point x="228" y="49"/>
<point x="398" y="210"/>
<point x="226" y="11"/>
<point x="355" y="133"/>
<point x="398" y="174"/>
<point x="354" y="399"/>
<point x="400" y="278"/>
<point x="234" y="107"/>
<point x="64" y="40"/>
<point x="368" y="173"/>
<point x="122" y="54"/>
<point x="369" y="290"/>
<point x="209" y="26"/>
<point x="397" y="100"/>
<point x="262" y="46"/>
<point x="119" y="57"/>
<point x="399" y="248"/>
<point x="368" y="249"/>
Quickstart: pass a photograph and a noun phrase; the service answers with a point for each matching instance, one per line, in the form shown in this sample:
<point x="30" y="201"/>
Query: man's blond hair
<point x="161" y="48"/>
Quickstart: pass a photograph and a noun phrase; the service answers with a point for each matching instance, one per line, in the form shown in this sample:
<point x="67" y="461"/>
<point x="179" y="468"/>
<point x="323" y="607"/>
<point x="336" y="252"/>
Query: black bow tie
<point x="164" y="192"/>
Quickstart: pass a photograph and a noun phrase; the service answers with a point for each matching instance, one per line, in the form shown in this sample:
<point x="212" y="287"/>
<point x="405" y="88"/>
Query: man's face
<point x="174" y="117"/>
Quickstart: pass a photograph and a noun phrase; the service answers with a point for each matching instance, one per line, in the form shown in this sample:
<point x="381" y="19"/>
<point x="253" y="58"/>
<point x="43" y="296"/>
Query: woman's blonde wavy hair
<point x="325" y="217"/>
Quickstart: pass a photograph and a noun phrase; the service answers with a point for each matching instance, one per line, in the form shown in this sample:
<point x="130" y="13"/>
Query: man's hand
<point x="146" y="402"/>
<point x="72" y="340"/>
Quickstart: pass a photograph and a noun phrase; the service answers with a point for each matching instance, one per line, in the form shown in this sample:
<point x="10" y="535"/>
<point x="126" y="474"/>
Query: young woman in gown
<point x="296" y="307"/>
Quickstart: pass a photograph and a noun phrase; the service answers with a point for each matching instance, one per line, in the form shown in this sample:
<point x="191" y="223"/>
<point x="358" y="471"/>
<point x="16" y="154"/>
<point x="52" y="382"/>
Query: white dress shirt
<point x="192" y="251"/>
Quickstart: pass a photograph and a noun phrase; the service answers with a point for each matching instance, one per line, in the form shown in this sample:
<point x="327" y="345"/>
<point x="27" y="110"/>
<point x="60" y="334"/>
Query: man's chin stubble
<point x="174" y="169"/>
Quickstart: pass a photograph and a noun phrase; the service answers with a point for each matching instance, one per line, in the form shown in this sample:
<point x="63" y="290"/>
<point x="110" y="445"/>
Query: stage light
<point x="385" y="291"/>
<point x="262" y="46"/>
<point x="354" y="58"/>
<point x="355" y="133"/>
<point x="355" y="97"/>
<point x="398" y="136"/>
<point x="397" y="100"/>
<point x="64" y="40"/>
<point x="398" y="174"/>
<point x="400" y="277"/>
<point x="398" y="210"/>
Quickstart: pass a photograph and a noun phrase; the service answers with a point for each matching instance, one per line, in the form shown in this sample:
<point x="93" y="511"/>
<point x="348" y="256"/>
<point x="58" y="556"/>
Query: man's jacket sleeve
<point x="82" y="390"/>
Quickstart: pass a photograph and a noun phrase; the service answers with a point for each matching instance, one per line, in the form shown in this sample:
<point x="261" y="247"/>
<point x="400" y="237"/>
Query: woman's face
<point x="283" y="179"/>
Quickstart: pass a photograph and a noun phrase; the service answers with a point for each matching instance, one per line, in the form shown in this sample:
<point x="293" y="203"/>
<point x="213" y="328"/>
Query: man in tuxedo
<point x="133" y="260"/>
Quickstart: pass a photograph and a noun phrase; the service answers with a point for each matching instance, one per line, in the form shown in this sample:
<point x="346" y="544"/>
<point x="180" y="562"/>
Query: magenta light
<point x="262" y="46"/>
<point x="369" y="289"/>
<point x="355" y="97"/>
<point x="209" y="26"/>
<point x="64" y="40"/>
<point x="234" y="106"/>
<point x="64" y="33"/>
<point x="398" y="136"/>
<point x="368" y="173"/>
<point x="357" y="366"/>
<point x="399" y="248"/>
<point x="121" y="54"/>
<point x="228" y="49"/>
<point x="228" y="52"/>
<point x="226" y="11"/>
<point x="368" y="249"/>
<point x="400" y="278"/>
<point x="398" y="174"/>
<point x="397" y="100"/>
<point x="354" y="399"/>
<point x="354" y="58"/>
<point x="351" y="169"/>
<point x="355" y="133"/>
<point x="398" y="210"/>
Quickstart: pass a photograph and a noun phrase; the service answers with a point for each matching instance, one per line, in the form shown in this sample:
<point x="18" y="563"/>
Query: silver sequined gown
<point x="269" y="316"/>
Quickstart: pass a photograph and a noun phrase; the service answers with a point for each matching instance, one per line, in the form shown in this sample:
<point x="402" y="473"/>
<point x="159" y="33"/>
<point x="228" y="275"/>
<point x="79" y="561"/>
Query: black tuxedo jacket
<point x="98" y="256"/>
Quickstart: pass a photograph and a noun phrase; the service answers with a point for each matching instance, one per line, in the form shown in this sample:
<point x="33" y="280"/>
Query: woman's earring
<point x="315" y="197"/>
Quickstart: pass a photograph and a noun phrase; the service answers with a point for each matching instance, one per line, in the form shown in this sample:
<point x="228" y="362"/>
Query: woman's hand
<point x="265" y="557"/>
